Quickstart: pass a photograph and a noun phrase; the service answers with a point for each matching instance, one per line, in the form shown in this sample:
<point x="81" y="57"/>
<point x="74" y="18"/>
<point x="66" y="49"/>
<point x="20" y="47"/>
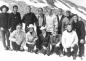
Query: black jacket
<point x="14" y="19"/>
<point x="45" y="40"/>
<point x="60" y="24"/>
<point x="80" y="29"/>
<point x="29" y="18"/>
<point x="4" y="20"/>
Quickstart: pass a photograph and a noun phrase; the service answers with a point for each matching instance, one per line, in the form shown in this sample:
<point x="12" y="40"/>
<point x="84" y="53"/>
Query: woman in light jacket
<point x="31" y="38"/>
<point x="18" y="38"/>
<point x="70" y="42"/>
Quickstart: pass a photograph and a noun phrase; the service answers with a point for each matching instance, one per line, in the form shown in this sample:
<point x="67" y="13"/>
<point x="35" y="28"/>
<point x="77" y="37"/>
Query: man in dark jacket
<point x="4" y="25"/>
<point x="41" y="20"/>
<point x="60" y="18"/>
<point x="15" y="18"/>
<point x="45" y="40"/>
<point x="80" y="30"/>
<point x="29" y="18"/>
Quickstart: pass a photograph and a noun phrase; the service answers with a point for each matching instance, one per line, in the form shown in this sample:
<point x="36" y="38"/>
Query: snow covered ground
<point x="26" y="56"/>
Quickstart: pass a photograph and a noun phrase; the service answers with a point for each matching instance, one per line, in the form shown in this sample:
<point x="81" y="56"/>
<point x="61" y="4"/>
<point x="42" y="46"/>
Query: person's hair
<point x="29" y="6"/>
<point x="4" y="6"/>
<point x="68" y="12"/>
<point x="19" y="24"/>
<point x="75" y="15"/>
<point x="69" y="24"/>
<point x="40" y="8"/>
<point x="60" y="9"/>
<point x="32" y="28"/>
<point x="15" y="6"/>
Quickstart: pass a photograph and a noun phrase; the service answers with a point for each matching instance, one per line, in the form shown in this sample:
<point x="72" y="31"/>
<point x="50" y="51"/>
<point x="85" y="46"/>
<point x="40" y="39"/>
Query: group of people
<point x="44" y="33"/>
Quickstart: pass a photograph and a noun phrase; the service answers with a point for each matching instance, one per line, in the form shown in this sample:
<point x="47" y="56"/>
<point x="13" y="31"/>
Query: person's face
<point x="59" y="12"/>
<point x="69" y="27"/>
<point x="15" y="9"/>
<point x="80" y="18"/>
<point x="40" y="11"/>
<point x="4" y="10"/>
<point x="31" y="29"/>
<point x="19" y="28"/>
<point x="67" y="14"/>
<point x="75" y="18"/>
<point x="29" y="9"/>
<point x="50" y="12"/>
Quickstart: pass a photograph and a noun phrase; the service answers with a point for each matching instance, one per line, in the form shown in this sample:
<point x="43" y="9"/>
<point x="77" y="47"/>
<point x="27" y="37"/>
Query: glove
<point x="10" y="30"/>
<point x="21" y="48"/>
<point x="65" y="50"/>
<point x="2" y="28"/>
<point x="81" y="41"/>
<point x="71" y="49"/>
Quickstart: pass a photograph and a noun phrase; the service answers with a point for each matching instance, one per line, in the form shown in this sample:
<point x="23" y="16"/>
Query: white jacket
<point x="19" y="38"/>
<point x="51" y="21"/>
<point x="69" y="39"/>
<point x="31" y="39"/>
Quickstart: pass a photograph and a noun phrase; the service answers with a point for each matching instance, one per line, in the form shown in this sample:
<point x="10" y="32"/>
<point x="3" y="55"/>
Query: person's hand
<point x="72" y="45"/>
<point x="44" y="48"/>
<point x="81" y="41"/>
<point x="9" y="29"/>
<point x="71" y="49"/>
<point x="21" y="48"/>
<point x="35" y="39"/>
<point x="2" y="28"/>
<point x="65" y="50"/>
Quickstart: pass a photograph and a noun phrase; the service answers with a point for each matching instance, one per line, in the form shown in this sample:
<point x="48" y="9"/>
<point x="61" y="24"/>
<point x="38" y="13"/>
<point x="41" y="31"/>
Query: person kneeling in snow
<point x="55" y="44"/>
<point x="18" y="38"/>
<point x="45" y="38"/>
<point x="70" y="42"/>
<point x="31" y="38"/>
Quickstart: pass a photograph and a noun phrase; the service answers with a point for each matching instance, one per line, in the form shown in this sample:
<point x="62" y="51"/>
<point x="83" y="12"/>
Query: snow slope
<point x="26" y="56"/>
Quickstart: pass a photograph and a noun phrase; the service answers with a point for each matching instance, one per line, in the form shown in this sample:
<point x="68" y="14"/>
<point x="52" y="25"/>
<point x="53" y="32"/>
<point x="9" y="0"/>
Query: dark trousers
<point x="39" y="44"/>
<point x="15" y="46"/>
<point x="73" y="53"/>
<point x="5" y="34"/>
<point x="30" y="47"/>
<point x="81" y="49"/>
<point x="38" y="30"/>
<point x="53" y="48"/>
<point x="46" y="51"/>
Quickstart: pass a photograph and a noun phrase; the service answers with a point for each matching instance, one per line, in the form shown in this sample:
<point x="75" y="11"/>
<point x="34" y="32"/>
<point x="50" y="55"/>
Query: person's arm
<point x="24" y="40"/>
<point x="9" y="21"/>
<point x="12" y="37"/>
<point x="20" y="21"/>
<point x="23" y="19"/>
<point x="63" y="41"/>
<point x="56" y="22"/>
<point x="23" y="22"/>
<point x="35" y="19"/>
<point x="82" y="33"/>
<point x="27" y="37"/>
<point x="75" y="42"/>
